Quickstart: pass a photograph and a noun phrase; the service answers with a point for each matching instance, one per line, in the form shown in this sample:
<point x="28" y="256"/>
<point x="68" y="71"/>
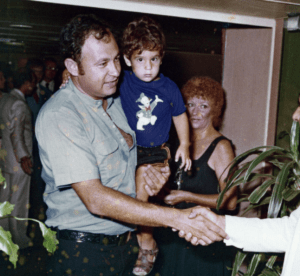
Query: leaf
<point x="269" y="272"/>
<point x="258" y="160"/>
<point x="276" y="197"/>
<point x="260" y="191"/>
<point x="2" y="180"/>
<point x="6" y="208"/>
<point x="8" y="246"/>
<point x="289" y="194"/>
<point x="253" y="206"/>
<point x="294" y="140"/>
<point x="253" y="264"/>
<point x="271" y="261"/>
<point x="50" y="240"/>
<point x="239" y="258"/>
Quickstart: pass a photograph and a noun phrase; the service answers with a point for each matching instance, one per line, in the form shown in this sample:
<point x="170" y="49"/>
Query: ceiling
<point x="33" y="27"/>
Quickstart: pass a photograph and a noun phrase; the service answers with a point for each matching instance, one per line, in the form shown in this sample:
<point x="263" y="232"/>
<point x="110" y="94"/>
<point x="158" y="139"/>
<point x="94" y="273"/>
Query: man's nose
<point x="115" y="69"/>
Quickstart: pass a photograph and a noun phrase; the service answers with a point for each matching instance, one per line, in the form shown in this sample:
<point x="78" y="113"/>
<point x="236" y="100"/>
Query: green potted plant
<point x="6" y="243"/>
<point x="278" y="191"/>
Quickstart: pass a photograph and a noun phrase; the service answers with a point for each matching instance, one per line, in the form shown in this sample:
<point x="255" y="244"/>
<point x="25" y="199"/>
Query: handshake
<point x="202" y="226"/>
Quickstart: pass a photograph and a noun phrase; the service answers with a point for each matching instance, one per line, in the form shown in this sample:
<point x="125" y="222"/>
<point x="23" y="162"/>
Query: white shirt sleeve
<point x="261" y="235"/>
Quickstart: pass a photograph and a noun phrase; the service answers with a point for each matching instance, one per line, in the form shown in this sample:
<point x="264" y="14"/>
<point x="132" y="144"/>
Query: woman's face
<point x="199" y="112"/>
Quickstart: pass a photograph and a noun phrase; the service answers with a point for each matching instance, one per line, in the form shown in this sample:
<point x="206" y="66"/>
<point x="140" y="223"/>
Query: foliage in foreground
<point x="6" y="243"/>
<point x="279" y="192"/>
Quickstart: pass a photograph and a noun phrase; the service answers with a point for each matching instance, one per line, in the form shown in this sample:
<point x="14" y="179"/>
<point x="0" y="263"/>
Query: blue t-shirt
<point x="149" y="107"/>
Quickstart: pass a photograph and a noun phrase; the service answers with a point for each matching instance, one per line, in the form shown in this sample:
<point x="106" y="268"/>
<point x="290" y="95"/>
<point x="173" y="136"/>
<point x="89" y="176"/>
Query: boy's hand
<point x="183" y="153"/>
<point x="65" y="78"/>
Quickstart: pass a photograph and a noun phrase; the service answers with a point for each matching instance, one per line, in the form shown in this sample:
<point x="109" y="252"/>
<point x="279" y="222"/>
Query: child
<point x="150" y="101"/>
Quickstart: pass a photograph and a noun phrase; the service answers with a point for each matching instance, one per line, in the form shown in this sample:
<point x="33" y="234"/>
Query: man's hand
<point x="155" y="178"/>
<point x="26" y="165"/>
<point x="218" y="221"/>
<point x="199" y="229"/>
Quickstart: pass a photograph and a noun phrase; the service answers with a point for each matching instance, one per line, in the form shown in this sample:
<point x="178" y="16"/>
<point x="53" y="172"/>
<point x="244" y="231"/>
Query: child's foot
<point x="145" y="262"/>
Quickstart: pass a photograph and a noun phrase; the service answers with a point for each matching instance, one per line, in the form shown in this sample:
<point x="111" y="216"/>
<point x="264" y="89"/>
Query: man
<point x="16" y="164"/>
<point x="50" y="73"/>
<point x="42" y="93"/>
<point x="88" y="152"/>
<point x="35" y="102"/>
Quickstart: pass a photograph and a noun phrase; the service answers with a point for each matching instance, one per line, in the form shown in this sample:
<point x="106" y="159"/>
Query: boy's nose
<point x="148" y="65"/>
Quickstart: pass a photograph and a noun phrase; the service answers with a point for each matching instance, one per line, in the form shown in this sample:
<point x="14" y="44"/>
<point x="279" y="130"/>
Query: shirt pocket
<point x="110" y="161"/>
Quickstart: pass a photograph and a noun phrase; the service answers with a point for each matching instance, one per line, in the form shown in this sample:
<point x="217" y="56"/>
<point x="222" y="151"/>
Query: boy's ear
<point x="72" y="66"/>
<point x="127" y="61"/>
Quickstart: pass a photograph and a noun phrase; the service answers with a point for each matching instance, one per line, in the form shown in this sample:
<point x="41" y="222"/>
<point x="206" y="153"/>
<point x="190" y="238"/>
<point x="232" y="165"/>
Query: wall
<point x="289" y="88"/>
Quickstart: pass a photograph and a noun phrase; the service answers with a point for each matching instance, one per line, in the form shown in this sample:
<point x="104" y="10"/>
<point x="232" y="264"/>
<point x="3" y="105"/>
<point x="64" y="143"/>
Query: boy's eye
<point x="139" y="59"/>
<point x="203" y="106"/>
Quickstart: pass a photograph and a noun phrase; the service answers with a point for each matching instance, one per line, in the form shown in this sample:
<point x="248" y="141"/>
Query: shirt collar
<point x="86" y="98"/>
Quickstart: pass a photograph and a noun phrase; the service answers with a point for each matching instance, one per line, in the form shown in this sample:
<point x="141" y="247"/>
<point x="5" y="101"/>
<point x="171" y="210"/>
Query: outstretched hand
<point x="202" y="227"/>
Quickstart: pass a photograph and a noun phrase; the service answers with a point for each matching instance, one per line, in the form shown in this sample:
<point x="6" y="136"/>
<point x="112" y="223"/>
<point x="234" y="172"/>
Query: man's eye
<point x="102" y="64"/>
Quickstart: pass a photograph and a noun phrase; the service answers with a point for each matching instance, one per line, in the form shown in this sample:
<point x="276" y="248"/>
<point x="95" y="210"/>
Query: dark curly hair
<point x="74" y="34"/>
<point x="143" y="34"/>
<point x="210" y="90"/>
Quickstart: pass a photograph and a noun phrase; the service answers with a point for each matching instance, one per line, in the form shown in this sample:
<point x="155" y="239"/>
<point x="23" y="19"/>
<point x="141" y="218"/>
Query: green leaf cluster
<point x="6" y="243"/>
<point x="278" y="191"/>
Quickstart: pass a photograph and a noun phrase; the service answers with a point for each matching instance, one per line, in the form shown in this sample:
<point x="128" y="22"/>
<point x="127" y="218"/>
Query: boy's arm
<point x="182" y="127"/>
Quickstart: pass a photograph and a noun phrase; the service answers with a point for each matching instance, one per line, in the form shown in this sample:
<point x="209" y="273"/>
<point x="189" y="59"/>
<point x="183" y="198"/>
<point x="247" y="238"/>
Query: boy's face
<point x="145" y="65"/>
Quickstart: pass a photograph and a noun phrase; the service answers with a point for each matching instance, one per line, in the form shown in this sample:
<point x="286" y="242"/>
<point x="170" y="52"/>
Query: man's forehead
<point x="101" y="46"/>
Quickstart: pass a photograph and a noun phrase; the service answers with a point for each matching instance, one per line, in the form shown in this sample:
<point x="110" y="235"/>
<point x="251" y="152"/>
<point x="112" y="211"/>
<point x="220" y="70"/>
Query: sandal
<point x="143" y="263"/>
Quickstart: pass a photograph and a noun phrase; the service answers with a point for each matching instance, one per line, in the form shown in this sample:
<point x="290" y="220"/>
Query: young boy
<point x="150" y="101"/>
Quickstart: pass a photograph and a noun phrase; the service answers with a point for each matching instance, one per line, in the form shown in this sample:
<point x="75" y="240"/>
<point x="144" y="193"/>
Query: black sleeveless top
<point x="201" y="179"/>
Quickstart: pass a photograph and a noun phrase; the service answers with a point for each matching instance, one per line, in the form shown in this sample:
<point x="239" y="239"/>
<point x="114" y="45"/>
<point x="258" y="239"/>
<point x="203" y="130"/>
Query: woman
<point x="211" y="153"/>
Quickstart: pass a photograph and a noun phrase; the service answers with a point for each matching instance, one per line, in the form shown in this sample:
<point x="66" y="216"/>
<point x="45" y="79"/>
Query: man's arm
<point x="104" y="201"/>
<point x="18" y="116"/>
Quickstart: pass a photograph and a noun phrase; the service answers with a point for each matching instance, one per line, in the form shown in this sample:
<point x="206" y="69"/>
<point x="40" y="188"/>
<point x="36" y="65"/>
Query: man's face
<point x="38" y="71"/>
<point x="50" y="70"/>
<point x="100" y="63"/>
<point x="2" y="81"/>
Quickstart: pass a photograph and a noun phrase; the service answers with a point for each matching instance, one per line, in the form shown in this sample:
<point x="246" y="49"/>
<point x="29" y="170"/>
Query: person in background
<point x="16" y="163"/>
<point x="35" y="103"/>
<point x="50" y="74"/>
<point x="42" y="93"/>
<point x="89" y="155"/>
<point x="151" y="102"/>
<point x="211" y="153"/>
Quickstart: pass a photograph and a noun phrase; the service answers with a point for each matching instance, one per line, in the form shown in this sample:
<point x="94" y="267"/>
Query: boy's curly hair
<point x="210" y="90"/>
<point x="143" y="34"/>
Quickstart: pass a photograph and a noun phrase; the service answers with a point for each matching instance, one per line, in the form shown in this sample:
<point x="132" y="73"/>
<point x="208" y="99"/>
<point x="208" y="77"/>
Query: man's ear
<point x="72" y="67"/>
<point x="127" y="61"/>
